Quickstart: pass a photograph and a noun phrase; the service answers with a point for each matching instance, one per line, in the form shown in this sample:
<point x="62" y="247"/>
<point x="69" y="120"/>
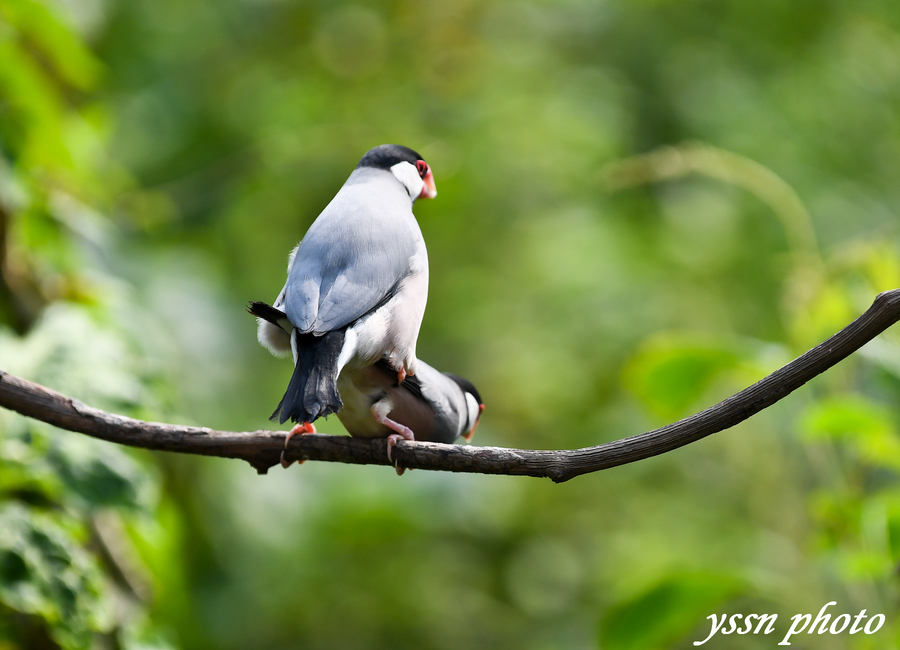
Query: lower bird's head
<point x="474" y="405"/>
<point x="406" y="165"/>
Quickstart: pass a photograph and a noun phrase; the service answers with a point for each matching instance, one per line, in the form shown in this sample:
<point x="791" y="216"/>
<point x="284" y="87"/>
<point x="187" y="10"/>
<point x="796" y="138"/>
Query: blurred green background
<point x="643" y="206"/>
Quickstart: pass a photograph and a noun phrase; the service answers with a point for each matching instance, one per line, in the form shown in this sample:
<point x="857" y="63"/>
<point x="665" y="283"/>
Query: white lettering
<point x="767" y="618"/>
<point x="822" y="617"/>
<point x="880" y="618"/>
<point x="765" y="624"/>
<point x="714" y="628"/>
<point x="806" y="618"/>
<point x="732" y="624"/>
<point x="835" y="621"/>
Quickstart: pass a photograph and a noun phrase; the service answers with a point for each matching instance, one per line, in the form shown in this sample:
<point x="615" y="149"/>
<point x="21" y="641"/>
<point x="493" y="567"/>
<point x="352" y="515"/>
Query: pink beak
<point x="471" y="432"/>
<point x="428" y="190"/>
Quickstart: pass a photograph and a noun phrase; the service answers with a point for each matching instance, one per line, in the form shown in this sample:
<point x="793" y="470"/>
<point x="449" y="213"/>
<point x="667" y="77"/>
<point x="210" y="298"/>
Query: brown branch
<point x="262" y="448"/>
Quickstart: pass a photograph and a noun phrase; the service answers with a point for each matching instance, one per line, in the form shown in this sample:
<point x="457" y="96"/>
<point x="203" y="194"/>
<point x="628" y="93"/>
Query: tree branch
<point x="262" y="448"/>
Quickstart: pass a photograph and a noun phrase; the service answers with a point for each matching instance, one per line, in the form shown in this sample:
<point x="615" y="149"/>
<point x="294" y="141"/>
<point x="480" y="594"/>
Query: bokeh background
<point x="643" y="206"/>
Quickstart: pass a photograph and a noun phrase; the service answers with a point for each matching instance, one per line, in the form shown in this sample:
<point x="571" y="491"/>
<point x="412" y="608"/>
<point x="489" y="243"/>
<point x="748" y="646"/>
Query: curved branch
<point x="262" y="448"/>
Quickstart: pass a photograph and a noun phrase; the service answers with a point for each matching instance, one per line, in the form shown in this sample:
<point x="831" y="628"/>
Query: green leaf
<point x="32" y="108"/>
<point x="864" y="424"/>
<point x="845" y="416"/>
<point x="666" y="612"/>
<point x="45" y="572"/>
<point x="670" y="373"/>
<point x="892" y="506"/>
<point x="57" y="43"/>
<point x="98" y="474"/>
<point x="25" y="472"/>
<point x="142" y="635"/>
<point x="75" y="471"/>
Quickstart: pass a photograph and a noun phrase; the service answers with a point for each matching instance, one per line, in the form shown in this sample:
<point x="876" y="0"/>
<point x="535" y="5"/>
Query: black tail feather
<point x="312" y="392"/>
<point x="266" y="312"/>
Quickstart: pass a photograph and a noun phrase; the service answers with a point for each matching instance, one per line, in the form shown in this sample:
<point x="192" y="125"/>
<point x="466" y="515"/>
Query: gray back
<point x="354" y="255"/>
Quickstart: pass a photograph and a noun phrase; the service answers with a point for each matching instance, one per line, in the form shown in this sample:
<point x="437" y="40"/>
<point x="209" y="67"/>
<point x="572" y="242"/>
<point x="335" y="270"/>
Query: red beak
<point x="428" y="190"/>
<point x="471" y="432"/>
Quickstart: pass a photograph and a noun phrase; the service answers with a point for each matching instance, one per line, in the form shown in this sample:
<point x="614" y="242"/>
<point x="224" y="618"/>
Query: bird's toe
<point x="302" y="428"/>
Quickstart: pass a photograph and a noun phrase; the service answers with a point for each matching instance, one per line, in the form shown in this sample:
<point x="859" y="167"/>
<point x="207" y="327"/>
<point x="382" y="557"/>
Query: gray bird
<point x="356" y="287"/>
<point x="435" y="406"/>
<point x="429" y="406"/>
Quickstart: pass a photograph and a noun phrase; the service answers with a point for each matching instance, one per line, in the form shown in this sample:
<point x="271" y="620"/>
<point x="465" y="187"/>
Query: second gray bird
<point x="430" y="406"/>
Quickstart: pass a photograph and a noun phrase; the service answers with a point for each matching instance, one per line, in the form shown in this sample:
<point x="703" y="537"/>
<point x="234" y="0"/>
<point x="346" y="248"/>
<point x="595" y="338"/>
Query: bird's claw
<point x="302" y="428"/>
<point x="379" y="412"/>
<point x="392" y="441"/>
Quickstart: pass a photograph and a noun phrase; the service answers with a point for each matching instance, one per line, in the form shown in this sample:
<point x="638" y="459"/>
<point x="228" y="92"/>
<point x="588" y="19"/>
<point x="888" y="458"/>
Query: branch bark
<point x="262" y="448"/>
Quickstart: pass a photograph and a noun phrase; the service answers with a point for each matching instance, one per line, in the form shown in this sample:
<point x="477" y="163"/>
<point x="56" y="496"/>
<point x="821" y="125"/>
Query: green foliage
<point x="71" y="576"/>
<point x="42" y="60"/>
<point x="666" y="612"/>
<point x="591" y="273"/>
<point x="670" y="374"/>
<point x="45" y="572"/>
<point x="58" y="489"/>
<point x="865" y="425"/>
<point x="37" y="25"/>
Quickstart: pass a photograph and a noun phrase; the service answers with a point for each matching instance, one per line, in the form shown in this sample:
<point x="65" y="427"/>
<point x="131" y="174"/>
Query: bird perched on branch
<point x="356" y="288"/>
<point x="436" y="406"/>
<point x="430" y="406"/>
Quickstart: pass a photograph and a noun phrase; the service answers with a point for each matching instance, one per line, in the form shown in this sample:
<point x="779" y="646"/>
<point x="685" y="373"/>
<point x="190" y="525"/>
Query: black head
<point x="466" y="386"/>
<point x="388" y="155"/>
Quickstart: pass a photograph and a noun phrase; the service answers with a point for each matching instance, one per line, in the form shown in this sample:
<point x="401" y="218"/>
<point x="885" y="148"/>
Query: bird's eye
<point x="422" y="166"/>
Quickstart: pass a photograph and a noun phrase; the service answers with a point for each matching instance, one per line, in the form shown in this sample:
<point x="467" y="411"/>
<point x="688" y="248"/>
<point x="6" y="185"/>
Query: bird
<point x="429" y="406"/>
<point x="356" y="287"/>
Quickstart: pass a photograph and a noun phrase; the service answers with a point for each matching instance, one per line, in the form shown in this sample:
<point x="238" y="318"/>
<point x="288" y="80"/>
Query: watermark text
<point x="822" y="624"/>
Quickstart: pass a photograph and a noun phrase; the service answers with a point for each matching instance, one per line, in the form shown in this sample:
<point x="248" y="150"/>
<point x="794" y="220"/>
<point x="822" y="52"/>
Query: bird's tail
<point x="312" y="392"/>
<point x="267" y="312"/>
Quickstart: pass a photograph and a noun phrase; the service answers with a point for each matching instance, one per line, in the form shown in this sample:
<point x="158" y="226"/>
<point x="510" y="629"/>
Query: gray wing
<point x="447" y="400"/>
<point x="439" y="393"/>
<point x="353" y="258"/>
<point x="279" y="301"/>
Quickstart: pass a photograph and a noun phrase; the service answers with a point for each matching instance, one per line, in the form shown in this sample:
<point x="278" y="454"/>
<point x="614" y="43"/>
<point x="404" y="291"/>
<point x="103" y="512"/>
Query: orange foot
<point x="302" y="428"/>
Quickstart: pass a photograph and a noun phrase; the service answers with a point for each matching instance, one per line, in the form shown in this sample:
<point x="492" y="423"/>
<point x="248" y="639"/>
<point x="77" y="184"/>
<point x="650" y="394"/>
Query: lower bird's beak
<point x="428" y="190"/>
<point x="471" y="432"/>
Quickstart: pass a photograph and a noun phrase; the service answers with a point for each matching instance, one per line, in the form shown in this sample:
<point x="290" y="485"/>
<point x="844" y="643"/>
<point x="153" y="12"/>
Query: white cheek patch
<point x="473" y="408"/>
<point x="407" y="174"/>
